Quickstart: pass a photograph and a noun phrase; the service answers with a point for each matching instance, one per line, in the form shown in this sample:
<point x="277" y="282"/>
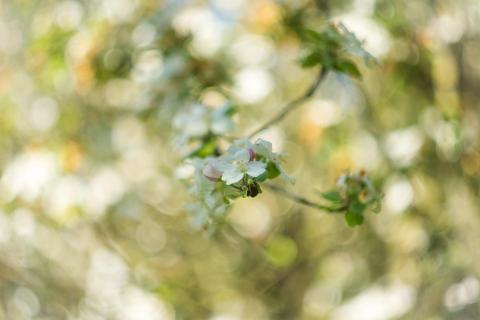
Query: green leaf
<point x="354" y="214"/>
<point x="229" y="109"/>
<point x="348" y="67"/>
<point x="353" y="219"/>
<point x="312" y="35"/>
<point x="333" y="196"/>
<point x="272" y="170"/>
<point x="206" y="149"/>
<point x="310" y="60"/>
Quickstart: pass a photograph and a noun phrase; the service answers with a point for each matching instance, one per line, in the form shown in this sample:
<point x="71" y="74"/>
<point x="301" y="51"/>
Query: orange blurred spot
<point x="72" y="156"/>
<point x="264" y="14"/>
<point x="309" y="132"/>
<point x="83" y="72"/>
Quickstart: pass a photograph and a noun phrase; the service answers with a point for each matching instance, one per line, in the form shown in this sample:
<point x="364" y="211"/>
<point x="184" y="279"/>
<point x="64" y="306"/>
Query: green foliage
<point x="207" y="148"/>
<point x="272" y="170"/>
<point x="332" y="48"/>
<point x="354" y="195"/>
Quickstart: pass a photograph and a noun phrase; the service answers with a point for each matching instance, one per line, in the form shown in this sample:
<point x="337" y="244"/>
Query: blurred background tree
<point x="92" y="196"/>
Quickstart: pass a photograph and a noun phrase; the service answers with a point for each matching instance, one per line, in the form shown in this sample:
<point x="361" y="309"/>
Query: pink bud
<point x="251" y="153"/>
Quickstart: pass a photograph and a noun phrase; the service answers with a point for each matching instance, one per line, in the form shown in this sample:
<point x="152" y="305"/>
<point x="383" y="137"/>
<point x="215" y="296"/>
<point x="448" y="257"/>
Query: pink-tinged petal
<point x="211" y="172"/>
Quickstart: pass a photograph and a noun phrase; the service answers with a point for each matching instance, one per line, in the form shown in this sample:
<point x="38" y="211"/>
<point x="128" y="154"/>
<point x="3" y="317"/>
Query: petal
<point x="232" y="176"/>
<point x="224" y="165"/>
<point x="256" y="168"/>
<point x="238" y="145"/>
<point x="263" y="147"/>
<point x="265" y="144"/>
<point x="211" y="172"/>
<point x="242" y="143"/>
<point x="242" y="155"/>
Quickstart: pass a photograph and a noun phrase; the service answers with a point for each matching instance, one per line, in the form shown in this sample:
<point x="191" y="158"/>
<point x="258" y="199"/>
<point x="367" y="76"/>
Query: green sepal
<point x="262" y="177"/>
<point x="272" y="170"/>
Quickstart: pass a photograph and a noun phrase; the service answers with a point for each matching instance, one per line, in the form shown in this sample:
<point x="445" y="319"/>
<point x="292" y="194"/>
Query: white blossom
<point x="230" y="175"/>
<point x="237" y="165"/>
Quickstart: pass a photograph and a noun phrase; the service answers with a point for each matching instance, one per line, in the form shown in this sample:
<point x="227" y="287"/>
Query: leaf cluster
<point x="354" y="195"/>
<point x="334" y="48"/>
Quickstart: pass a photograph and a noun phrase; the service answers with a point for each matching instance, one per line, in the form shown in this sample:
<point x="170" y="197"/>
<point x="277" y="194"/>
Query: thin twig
<point x="302" y="200"/>
<point x="293" y="104"/>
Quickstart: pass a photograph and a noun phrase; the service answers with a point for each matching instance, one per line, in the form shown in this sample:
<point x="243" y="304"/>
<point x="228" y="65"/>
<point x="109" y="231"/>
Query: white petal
<point x="263" y="148"/>
<point x="256" y="168"/>
<point x="264" y="143"/>
<point x="242" y="143"/>
<point x="224" y="165"/>
<point x="242" y="155"/>
<point x="232" y="176"/>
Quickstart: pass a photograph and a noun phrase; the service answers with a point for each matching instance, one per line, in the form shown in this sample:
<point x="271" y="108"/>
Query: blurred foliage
<point x="92" y="196"/>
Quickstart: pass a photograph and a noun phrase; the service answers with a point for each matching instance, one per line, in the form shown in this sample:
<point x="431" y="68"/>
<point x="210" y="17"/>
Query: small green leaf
<point x="312" y="35"/>
<point x="229" y="109"/>
<point x="272" y="170"/>
<point x="354" y="214"/>
<point x="353" y="219"/>
<point x="348" y="67"/>
<point x="332" y="195"/>
<point x="207" y="149"/>
<point x="310" y="60"/>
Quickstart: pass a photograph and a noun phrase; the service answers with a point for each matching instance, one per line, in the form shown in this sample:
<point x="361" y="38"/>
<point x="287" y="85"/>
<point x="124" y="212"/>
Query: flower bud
<point x="251" y="153"/>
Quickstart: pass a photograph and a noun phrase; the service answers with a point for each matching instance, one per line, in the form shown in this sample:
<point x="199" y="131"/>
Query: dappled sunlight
<point x="233" y="159"/>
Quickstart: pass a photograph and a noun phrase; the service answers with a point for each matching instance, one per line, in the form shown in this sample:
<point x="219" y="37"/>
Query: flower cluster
<point x="236" y="173"/>
<point x="221" y="176"/>
<point x="354" y="194"/>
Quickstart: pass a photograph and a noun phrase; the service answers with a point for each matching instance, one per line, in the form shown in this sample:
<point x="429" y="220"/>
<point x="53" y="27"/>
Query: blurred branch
<point x="302" y="200"/>
<point x="289" y="107"/>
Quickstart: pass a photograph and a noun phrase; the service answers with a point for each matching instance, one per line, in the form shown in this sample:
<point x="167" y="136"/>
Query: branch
<point x="304" y="201"/>
<point x="294" y="103"/>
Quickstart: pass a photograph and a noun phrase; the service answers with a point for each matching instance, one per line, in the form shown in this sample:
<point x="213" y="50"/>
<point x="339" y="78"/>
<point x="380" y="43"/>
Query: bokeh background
<point x="92" y="196"/>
